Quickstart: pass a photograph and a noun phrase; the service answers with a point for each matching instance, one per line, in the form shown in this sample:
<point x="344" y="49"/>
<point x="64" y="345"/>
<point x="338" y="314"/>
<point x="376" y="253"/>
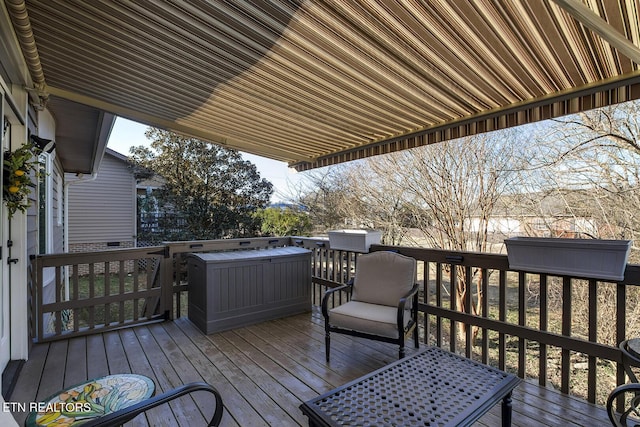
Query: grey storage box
<point x="233" y="289"/>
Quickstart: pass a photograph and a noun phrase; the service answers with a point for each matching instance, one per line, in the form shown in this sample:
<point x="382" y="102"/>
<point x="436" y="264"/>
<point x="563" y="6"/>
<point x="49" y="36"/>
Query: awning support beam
<point x="587" y="17"/>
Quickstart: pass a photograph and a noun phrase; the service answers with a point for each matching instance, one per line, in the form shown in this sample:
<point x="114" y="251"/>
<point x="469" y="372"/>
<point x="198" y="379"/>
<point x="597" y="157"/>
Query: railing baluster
<point x="522" y="321"/>
<point x="621" y="333"/>
<point x="502" y="316"/>
<point x="39" y="300"/>
<point x="58" y="298"/>
<point x="76" y="296"/>
<point x="453" y="286"/>
<point x="149" y="311"/>
<point x="544" y="322"/>
<point x="315" y="254"/>
<point x="325" y="263"/>
<point x="121" y="282"/>
<point x="439" y="304"/>
<point x="58" y="283"/>
<point x="107" y="292"/>
<point x="92" y="294"/>
<point x="136" y="288"/>
<point x="425" y="297"/>
<point x="485" y="313"/>
<point x="32" y="284"/>
<point x="566" y="331"/>
<point x="593" y="337"/>
<point x="468" y="281"/>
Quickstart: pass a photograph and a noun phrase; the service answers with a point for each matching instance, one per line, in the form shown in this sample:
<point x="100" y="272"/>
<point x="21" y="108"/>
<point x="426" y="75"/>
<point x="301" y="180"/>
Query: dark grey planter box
<point x="588" y="258"/>
<point x="233" y="289"/>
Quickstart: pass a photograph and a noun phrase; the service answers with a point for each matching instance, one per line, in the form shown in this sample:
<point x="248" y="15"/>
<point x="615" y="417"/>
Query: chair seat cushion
<point x="369" y="318"/>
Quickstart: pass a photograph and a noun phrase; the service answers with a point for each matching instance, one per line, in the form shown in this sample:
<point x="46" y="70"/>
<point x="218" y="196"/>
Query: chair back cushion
<point x="383" y="278"/>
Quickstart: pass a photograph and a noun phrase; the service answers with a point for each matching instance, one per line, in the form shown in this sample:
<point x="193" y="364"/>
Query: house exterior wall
<point x="499" y="225"/>
<point x="14" y="277"/>
<point x="564" y="227"/>
<point x="45" y="237"/>
<point x="102" y="211"/>
<point x="54" y="233"/>
<point x="32" y="211"/>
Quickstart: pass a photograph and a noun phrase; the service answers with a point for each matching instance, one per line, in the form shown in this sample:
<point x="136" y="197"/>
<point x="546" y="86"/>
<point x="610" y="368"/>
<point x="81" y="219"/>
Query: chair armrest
<point x="411" y="293"/>
<point x="124" y="415"/>
<point x="403" y="302"/>
<point x="620" y="419"/>
<point x="325" y="299"/>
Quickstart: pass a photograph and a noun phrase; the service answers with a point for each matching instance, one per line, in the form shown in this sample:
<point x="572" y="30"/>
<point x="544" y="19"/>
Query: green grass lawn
<point x="128" y="310"/>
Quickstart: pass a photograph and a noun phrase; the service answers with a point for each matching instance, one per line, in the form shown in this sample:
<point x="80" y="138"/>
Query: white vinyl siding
<point x="57" y="196"/>
<point x="56" y="234"/>
<point x="103" y="210"/>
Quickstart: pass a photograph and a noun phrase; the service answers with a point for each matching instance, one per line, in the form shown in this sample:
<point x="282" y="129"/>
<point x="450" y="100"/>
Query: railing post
<point x="166" y="275"/>
<point x="621" y="332"/>
<point x="39" y="324"/>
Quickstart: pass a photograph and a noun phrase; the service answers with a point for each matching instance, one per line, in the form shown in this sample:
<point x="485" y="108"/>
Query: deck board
<point x="263" y="371"/>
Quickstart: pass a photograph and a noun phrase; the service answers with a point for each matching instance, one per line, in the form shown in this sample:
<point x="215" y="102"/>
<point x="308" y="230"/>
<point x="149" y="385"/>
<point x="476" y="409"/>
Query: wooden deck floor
<point x="264" y="372"/>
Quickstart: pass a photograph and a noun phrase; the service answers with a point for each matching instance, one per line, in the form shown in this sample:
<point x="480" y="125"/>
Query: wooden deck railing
<point x="558" y="332"/>
<point x="83" y="293"/>
<point x="536" y="325"/>
<point x="91" y="292"/>
<point x="552" y="329"/>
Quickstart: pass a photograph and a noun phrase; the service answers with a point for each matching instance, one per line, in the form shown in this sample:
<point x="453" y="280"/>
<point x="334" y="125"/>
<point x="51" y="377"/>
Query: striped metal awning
<point x="318" y="82"/>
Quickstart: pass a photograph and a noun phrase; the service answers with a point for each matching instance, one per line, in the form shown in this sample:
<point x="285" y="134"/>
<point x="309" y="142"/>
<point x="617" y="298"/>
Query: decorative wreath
<point x="17" y="176"/>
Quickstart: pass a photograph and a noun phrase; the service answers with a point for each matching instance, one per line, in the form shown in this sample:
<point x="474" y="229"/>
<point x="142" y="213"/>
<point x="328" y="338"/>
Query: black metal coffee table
<point x="431" y="388"/>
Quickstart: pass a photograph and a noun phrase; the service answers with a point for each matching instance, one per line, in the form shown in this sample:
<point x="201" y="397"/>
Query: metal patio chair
<point x="383" y="304"/>
<point x="630" y="416"/>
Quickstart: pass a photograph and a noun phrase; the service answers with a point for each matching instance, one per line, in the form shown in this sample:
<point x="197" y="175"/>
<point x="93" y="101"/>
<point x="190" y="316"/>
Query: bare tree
<point x="455" y="187"/>
<point x="323" y="194"/>
<point x="587" y="167"/>
<point x="447" y="191"/>
<point x="378" y="199"/>
<point x="591" y="164"/>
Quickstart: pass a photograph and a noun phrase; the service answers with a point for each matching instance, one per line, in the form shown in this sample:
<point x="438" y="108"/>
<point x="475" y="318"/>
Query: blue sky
<point x="127" y="133"/>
